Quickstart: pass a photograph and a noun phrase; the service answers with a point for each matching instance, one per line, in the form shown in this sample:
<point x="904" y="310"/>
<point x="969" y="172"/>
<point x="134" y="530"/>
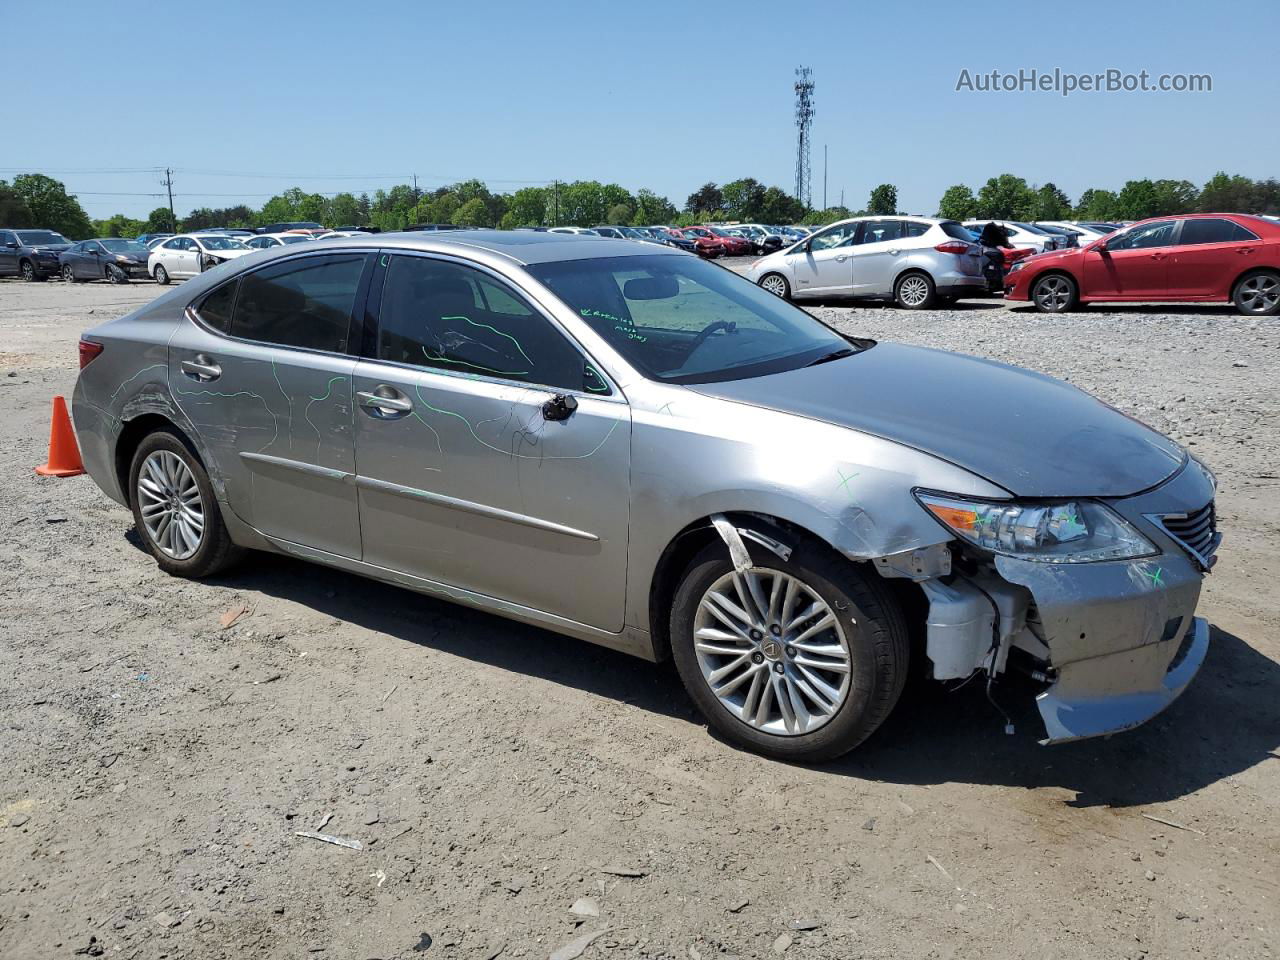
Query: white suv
<point x="915" y="261"/>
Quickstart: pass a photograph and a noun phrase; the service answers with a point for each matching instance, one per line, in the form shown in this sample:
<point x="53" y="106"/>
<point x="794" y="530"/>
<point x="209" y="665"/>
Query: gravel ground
<point x="159" y="760"/>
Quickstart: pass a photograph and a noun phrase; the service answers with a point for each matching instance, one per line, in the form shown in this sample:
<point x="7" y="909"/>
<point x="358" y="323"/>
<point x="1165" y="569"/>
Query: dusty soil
<point x="158" y="763"/>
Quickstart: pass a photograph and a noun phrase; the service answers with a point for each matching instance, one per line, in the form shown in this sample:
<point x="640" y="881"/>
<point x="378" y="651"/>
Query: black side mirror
<point x="560" y="407"/>
<point x="12" y="244"/>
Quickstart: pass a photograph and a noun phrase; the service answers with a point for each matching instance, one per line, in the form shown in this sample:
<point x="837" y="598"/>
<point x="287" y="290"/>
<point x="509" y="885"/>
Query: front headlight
<point x="121" y="258"/>
<point x="1017" y="265"/>
<point x="1078" y="531"/>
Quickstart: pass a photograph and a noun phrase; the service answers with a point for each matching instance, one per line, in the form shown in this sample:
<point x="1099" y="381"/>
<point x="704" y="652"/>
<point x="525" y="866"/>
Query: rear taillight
<point x="953" y="246"/>
<point x="88" y="351"/>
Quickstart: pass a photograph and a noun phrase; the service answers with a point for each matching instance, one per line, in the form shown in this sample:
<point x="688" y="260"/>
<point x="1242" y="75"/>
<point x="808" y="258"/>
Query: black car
<point x="673" y="239"/>
<point x="105" y="258"/>
<point x="31" y="254"/>
<point x="285" y="227"/>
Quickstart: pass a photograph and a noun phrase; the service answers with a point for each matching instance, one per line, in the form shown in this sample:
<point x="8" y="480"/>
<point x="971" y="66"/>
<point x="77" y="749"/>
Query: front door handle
<point x="202" y="368"/>
<point x="893" y="253"/>
<point x="385" y="402"/>
<point x="1158" y="256"/>
<point x="842" y="258"/>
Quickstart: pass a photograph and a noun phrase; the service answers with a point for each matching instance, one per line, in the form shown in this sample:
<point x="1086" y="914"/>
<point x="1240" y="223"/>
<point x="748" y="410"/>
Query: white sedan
<point x="269" y="241"/>
<point x="190" y="254"/>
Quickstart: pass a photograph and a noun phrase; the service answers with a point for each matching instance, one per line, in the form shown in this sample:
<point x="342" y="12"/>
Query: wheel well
<point x="687" y="544"/>
<point x="134" y="432"/>
<point x="1054" y="271"/>
<point x="920" y="270"/>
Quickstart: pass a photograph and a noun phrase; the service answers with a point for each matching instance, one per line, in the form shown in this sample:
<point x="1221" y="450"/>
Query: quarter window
<point x="300" y="303"/>
<point x="1213" y="230"/>
<point x="450" y="317"/>
<point x="1159" y="234"/>
<point x="913" y="228"/>
<point x="215" y="309"/>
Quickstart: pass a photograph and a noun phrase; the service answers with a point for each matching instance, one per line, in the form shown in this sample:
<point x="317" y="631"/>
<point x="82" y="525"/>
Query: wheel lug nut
<point x="776" y="630"/>
<point x="791" y="651"/>
<point x="757" y="657"/>
<point x="756" y="635"/>
<point x="778" y="668"/>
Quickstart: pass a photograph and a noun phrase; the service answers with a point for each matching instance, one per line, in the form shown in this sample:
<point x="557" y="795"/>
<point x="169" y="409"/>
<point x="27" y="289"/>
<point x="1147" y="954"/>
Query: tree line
<point x="36" y="200"/>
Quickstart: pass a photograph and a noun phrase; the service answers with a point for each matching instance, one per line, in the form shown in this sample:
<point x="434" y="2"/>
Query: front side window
<point x="451" y="317"/>
<point x="175" y="244"/>
<point x="683" y="320"/>
<point x="300" y="303"/>
<point x="841" y="235"/>
<point x="1212" y="230"/>
<point x="1159" y="234"/>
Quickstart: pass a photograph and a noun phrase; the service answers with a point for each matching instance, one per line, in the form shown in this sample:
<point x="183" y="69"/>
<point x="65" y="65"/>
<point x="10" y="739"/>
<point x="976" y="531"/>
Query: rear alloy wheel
<point x="1258" y="295"/>
<point x="174" y="508"/>
<point x="68" y="275"/>
<point x="1055" y="293"/>
<point x="799" y="659"/>
<point x="914" y="291"/>
<point x="776" y="284"/>
<point x="161" y="274"/>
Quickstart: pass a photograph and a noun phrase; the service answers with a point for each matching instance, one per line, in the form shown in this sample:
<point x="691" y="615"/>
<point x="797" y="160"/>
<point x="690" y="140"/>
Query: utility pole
<point x="168" y="182"/>
<point x="824" y="176"/>
<point x="416" y="195"/>
<point x="556" y="215"/>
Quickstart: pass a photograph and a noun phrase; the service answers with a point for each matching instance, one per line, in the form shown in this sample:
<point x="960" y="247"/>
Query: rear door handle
<point x="387" y="404"/>
<point x="202" y="368"/>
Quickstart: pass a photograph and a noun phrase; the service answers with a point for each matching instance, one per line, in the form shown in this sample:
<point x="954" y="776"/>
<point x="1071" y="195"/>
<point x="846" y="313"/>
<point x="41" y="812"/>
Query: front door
<point x="876" y="254"/>
<point x="89" y="263"/>
<point x="1211" y="253"/>
<point x="266" y="376"/>
<point x="1133" y="266"/>
<point x="466" y="476"/>
<point x="822" y="266"/>
<point x="8" y="253"/>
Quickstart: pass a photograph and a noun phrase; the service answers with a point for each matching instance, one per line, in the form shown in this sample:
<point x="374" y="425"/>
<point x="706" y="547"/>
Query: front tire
<point x="116" y="275"/>
<point x="800" y="660"/>
<point x="1258" y="294"/>
<point x="175" y="511"/>
<point x="68" y="274"/>
<point x="28" y="271"/>
<point x="161" y="274"/>
<point x="1055" y="293"/>
<point x="915" y="291"/>
<point x="776" y="284"/>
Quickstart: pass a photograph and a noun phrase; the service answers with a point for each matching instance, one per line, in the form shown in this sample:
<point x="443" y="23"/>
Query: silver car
<point x="633" y="447"/>
<point x="915" y="261"/>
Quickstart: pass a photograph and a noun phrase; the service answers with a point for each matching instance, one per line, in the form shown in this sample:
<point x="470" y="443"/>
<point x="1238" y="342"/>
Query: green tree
<point x="743" y="198"/>
<point x="884" y="199"/>
<point x="527" y="207"/>
<point x="1228" y="194"/>
<point x="473" y="213"/>
<point x="652" y="209"/>
<point x="706" y="198"/>
<point x="619" y="213"/>
<point x="118" y="225"/>
<point x="1051" y="204"/>
<point x="1006" y="197"/>
<point x="582" y="203"/>
<point x="344" y="210"/>
<point x="14" y="211"/>
<point x="958" y="203"/>
<point x="1175" y="196"/>
<point x="820" y="218"/>
<point x="778" y="206"/>
<point x="1097" y="205"/>
<point x="51" y="206"/>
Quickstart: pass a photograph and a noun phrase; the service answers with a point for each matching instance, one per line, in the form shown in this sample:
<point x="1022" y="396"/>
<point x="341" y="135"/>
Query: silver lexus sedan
<point x="631" y="446"/>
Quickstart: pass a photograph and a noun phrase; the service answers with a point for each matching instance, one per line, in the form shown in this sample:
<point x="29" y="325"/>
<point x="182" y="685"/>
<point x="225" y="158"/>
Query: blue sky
<point x="667" y="95"/>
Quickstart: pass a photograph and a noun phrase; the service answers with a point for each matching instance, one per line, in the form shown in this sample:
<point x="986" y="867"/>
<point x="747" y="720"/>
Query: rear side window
<point x="300" y="303"/>
<point x="1213" y="231"/>
<point x="215" y="309"/>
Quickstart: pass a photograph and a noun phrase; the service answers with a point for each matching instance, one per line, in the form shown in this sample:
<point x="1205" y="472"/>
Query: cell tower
<point x="804" y="120"/>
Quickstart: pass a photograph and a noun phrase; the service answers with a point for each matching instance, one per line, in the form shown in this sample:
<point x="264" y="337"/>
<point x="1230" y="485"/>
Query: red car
<point x="1201" y="257"/>
<point x="706" y="243"/>
<point x="733" y="246"/>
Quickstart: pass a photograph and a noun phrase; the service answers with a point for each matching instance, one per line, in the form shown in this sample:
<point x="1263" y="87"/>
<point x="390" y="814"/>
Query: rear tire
<point x="161" y="274"/>
<point x="776" y="284"/>
<point x="867" y="628"/>
<point x="167" y="482"/>
<point x="1258" y="294"/>
<point x="1055" y="293"/>
<point x="915" y="291"/>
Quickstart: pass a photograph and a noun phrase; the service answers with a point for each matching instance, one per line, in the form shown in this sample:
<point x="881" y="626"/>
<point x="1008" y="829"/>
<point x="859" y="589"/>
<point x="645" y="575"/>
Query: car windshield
<point x="221" y="243"/>
<point x="698" y="231"/>
<point x="37" y="237"/>
<point x="682" y="320"/>
<point x="295" y="238"/>
<point x="117" y="245"/>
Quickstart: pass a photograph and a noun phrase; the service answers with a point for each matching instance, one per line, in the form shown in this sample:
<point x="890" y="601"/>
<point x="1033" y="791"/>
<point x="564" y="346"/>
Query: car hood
<point x="1029" y="433"/>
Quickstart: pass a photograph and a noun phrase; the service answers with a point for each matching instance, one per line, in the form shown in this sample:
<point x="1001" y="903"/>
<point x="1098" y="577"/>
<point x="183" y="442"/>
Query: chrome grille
<point x="1196" y="531"/>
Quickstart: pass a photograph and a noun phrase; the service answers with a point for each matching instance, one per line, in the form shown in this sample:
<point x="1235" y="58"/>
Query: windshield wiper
<point x="833" y="355"/>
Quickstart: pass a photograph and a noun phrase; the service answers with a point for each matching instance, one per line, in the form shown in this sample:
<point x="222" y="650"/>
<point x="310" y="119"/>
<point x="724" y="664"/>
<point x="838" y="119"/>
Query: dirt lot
<point x="157" y="764"/>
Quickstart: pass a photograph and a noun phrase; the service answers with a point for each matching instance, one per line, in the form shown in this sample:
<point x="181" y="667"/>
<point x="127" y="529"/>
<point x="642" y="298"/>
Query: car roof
<point x="522" y="247"/>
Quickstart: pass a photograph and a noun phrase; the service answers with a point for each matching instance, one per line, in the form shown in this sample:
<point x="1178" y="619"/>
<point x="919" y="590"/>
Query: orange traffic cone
<point x="64" y="454"/>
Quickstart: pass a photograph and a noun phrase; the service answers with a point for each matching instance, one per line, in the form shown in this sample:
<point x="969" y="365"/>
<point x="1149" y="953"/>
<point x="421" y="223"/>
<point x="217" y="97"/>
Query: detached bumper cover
<point x="1083" y="702"/>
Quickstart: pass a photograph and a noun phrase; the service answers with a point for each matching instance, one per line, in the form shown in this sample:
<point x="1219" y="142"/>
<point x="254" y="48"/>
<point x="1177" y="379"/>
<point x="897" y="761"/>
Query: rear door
<point x="1134" y="265"/>
<point x="876" y="255"/>
<point x="8" y="253"/>
<point x="465" y="477"/>
<point x="1211" y="252"/>
<point x="822" y="266"/>
<point x="263" y="370"/>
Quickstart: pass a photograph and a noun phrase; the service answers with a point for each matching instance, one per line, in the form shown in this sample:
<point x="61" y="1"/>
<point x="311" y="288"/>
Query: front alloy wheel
<point x="29" y="271"/>
<point x="772" y="652"/>
<point x="1054" y="293"/>
<point x="776" y="284"/>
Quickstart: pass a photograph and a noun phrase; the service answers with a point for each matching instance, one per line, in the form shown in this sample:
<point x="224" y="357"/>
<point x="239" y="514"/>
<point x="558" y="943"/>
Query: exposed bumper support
<point x="1083" y="701"/>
